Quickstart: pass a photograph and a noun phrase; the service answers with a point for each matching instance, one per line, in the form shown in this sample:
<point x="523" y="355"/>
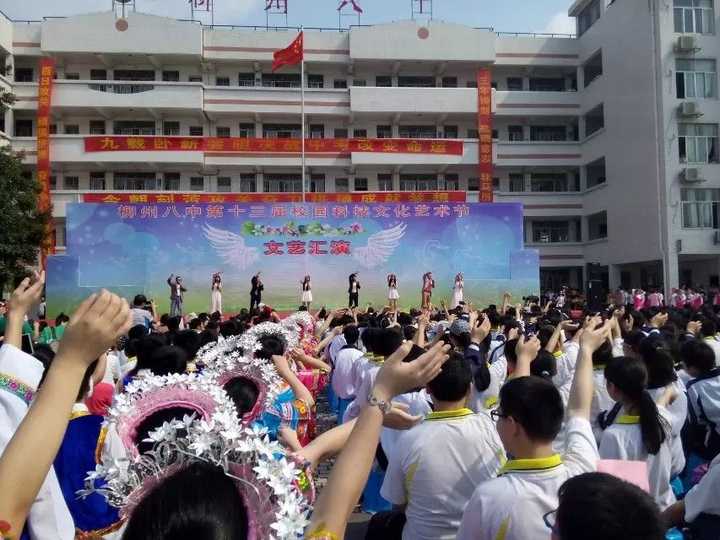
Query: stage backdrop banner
<point x="133" y="248"/>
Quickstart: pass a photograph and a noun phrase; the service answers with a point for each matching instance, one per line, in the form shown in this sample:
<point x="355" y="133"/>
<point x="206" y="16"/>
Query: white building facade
<point x="610" y="139"/>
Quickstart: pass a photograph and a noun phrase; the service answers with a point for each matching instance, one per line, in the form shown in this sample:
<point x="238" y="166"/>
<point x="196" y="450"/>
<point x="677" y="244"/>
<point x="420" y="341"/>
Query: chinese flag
<point x="289" y="56"/>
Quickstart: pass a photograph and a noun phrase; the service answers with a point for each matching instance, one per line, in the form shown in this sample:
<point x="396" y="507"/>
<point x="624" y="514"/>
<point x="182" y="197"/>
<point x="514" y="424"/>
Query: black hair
<point x="62" y="318"/>
<point x="708" y="328"/>
<point x="156" y="420"/>
<point x="173" y="323"/>
<point x="352" y="334"/>
<point x="85" y="383"/>
<point x="244" y="393"/>
<point x="195" y="323"/>
<point x="44" y="354"/>
<point x="188" y="341"/>
<point x="659" y="362"/>
<point x="206" y="336"/>
<point x="535" y="404"/>
<point x="544" y="365"/>
<point x="198" y="501"/>
<point x="602" y="355"/>
<point x="229" y="328"/>
<point x="270" y="346"/>
<point x="144" y="349"/>
<point x="544" y="334"/>
<point x="509" y="350"/>
<point x="630" y="377"/>
<point x="409" y="331"/>
<point x="164" y="319"/>
<point x="167" y="360"/>
<point x="597" y="506"/>
<point x="387" y="342"/>
<point x="453" y="381"/>
<point x="139" y="300"/>
<point x="699" y="355"/>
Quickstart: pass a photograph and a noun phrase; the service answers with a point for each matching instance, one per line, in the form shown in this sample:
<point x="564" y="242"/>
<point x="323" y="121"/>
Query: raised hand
<point x="527" y="348"/>
<point x="480" y="330"/>
<point x="593" y="337"/>
<point x="26" y="295"/>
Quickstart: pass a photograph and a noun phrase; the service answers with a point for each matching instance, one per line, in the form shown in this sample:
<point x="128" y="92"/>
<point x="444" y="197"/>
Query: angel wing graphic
<point x="231" y="247"/>
<point x="380" y="246"/>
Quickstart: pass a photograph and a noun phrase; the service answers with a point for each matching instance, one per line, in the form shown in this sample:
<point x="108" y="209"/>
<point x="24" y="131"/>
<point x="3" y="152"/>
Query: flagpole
<point x="302" y="116"/>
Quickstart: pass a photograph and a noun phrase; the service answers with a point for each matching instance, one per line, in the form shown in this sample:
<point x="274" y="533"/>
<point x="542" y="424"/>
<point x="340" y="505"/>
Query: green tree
<point x="22" y="224"/>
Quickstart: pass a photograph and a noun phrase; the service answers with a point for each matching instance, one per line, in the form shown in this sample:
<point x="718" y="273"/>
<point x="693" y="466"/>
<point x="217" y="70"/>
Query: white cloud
<point x="560" y="23"/>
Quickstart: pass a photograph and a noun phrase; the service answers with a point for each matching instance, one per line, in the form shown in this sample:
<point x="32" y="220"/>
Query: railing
<point x="122" y="88"/>
<point x="536" y="35"/>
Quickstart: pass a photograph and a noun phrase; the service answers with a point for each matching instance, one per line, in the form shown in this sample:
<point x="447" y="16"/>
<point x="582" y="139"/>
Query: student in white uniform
<point x="435" y="466"/>
<point x="703" y="394"/>
<point x="708" y="333"/>
<point x="530" y="415"/>
<point x="640" y="430"/>
<point x="347" y="363"/>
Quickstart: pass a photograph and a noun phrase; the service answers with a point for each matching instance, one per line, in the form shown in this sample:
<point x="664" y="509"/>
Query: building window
<point x="418" y="182"/>
<point x="72" y="129"/>
<point x="700" y="208"/>
<point x="451" y="182"/>
<point x="340" y="83"/>
<point x="516" y="133"/>
<point x="315" y="81"/>
<point x="282" y="131"/>
<point x="450" y="132"/>
<point x="695" y="78"/>
<point x="171" y="76"/>
<point x="596" y="173"/>
<point x="548" y="133"/>
<point x="549" y="182"/>
<point x="97" y="127"/>
<point x="340" y="133"/>
<point x="134" y="181"/>
<point x="224" y="184"/>
<point x="197" y="183"/>
<point x="496" y="184"/>
<point x="359" y="82"/>
<point x="171" y="181"/>
<point x="134" y="75"/>
<point x="133" y="127"/>
<point x="317" y="131"/>
<point x="385" y="182"/>
<point x="597" y="226"/>
<point x="171" y="128"/>
<point x="195" y="78"/>
<point x="246" y="79"/>
<point x="72" y="76"/>
<point x="23" y="128"/>
<point x="514" y="84"/>
<point x="472" y="133"/>
<point x="342" y="185"/>
<point x="594" y="120"/>
<point x="593" y="68"/>
<point x="546" y="84"/>
<point x="698" y="143"/>
<point x="418" y="132"/>
<point x="694" y="16"/>
<point x="222" y="81"/>
<point x="517" y="182"/>
<point x="222" y="131"/>
<point x="248" y="183"/>
<point x="23" y="74"/>
<point x="282" y="183"/>
<point x="472" y="84"/>
<point x="474" y="184"/>
<point x="360" y="133"/>
<point x="53" y="183"/>
<point x="195" y="131"/>
<point x="384" y="132"/>
<point x="98" y="75"/>
<point x="416" y="81"/>
<point x="53" y="129"/>
<point x="383" y="80"/>
<point x="247" y="131"/>
<point x="550" y="232"/>
<point x="449" y="82"/>
<point x="317" y="183"/>
<point x="97" y="181"/>
<point x="71" y="183"/>
<point x="361" y="184"/>
<point x="588" y="16"/>
<point x="281" y="80"/>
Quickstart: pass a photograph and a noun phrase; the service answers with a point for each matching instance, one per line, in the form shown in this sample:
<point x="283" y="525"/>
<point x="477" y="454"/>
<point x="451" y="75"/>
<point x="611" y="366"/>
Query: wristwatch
<point x="384" y="406"/>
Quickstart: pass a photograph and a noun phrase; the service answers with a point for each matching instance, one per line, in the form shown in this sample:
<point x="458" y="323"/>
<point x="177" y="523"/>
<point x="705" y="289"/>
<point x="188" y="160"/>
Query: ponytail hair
<point x="630" y="376"/>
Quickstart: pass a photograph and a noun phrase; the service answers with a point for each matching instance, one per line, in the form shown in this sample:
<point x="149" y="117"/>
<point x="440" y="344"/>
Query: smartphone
<point x="27" y="344"/>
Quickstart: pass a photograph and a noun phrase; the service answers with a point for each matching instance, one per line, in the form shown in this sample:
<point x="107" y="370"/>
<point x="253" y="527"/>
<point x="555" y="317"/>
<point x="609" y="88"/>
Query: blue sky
<point x="503" y="15"/>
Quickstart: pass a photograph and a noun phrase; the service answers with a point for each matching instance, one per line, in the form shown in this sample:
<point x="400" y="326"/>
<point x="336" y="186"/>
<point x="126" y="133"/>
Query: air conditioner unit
<point x="692" y="175"/>
<point x="717" y="238"/>
<point x="690" y="109"/>
<point x="687" y="44"/>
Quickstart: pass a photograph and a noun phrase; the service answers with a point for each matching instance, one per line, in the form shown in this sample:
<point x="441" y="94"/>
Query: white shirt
<point x="512" y="505"/>
<point x="49" y="517"/>
<point x="435" y="468"/>
<point x="715" y="346"/>
<point x="336" y="344"/>
<point x="601" y="400"/>
<point x="481" y="401"/>
<point x="703" y="396"/>
<point x="703" y="497"/>
<point x="623" y="440"/>
<point x="344" y="372"/>
<point x="678" y="411"/>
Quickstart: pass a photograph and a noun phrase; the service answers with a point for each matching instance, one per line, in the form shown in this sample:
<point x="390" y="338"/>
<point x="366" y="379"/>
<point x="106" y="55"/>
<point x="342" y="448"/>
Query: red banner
<point x="47" y="70"/>
<point x="369" y="197"/>
<point x="272" y="146"/>
<point x="485" y="149"/>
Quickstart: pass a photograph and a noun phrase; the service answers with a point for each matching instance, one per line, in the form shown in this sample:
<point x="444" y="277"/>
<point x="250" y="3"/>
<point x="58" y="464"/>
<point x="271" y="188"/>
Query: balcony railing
<point x="122" y="88"/>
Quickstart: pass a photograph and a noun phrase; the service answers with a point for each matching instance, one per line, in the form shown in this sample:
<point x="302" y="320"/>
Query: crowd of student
<point x="514" y="422"/>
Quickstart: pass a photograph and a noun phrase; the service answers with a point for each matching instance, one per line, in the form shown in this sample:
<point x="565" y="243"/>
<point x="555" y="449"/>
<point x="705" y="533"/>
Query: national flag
<point x="291" y="55"/>
<point x="354" y="3"/>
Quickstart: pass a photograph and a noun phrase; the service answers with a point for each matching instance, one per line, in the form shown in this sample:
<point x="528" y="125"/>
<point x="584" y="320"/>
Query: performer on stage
<point x="353" y="290"/>
<point x="306" y="297"/>
<point x="256" y="291"/>
<point x="428" y="286"/>
<point x="393" y="293"/>
<point x="458" y="293"/>
<point x="216" y="293"/>
<point x="176" y="295"/>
